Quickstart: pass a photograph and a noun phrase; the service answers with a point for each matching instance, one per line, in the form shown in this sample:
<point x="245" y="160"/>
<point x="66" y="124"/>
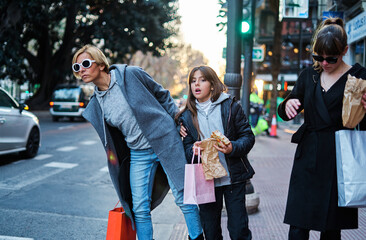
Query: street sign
<point x="258" y="54"/>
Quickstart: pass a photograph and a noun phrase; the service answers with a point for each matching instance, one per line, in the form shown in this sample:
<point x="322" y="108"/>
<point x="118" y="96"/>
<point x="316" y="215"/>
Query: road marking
<point x="66" y="127"/>
<point x="35" y="175"/>
<point x="88" y="142"/>
<point x="66" y="149"/>
<point x="61" y="165"/>
<point x="289" y="131"/>
<point x="42" y="156"/>
<point x="105" y="169"/>
<point x="17" y="162"/>
<point x="14" y="238"/>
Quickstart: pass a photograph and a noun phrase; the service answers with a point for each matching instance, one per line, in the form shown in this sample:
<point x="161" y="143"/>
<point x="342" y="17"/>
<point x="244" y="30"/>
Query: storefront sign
<point x="356" y="28"/>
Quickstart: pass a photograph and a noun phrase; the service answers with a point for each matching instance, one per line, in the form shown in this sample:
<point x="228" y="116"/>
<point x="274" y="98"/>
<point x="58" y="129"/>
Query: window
<point x="6" y="101"/>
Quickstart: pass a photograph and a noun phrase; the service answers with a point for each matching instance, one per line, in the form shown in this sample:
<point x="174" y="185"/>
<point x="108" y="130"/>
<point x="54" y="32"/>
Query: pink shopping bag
<point x="197" y="190"/>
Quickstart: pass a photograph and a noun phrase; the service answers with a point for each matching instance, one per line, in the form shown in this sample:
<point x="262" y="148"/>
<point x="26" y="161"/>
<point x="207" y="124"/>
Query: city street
<point x="66" y="193"/>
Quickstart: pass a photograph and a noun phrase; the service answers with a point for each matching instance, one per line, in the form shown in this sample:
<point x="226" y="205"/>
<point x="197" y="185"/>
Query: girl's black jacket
<point x="237" y="130"/>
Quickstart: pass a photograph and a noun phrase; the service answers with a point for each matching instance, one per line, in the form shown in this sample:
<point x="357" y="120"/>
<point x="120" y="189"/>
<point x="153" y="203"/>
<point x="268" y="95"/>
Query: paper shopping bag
<point x="197" y="190"/>
<point x="352" y="110"/>
<point x="210" y="160"/>
<point x="119" y="225"/>
<point x="351" y="165"/>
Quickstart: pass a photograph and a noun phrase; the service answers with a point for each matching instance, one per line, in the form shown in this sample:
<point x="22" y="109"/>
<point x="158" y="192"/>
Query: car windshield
<point x="67" y="94"/>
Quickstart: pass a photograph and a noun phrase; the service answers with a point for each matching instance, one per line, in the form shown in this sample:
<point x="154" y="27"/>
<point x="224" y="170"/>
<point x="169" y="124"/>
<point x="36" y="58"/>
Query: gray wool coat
<point x="154" y="110"/>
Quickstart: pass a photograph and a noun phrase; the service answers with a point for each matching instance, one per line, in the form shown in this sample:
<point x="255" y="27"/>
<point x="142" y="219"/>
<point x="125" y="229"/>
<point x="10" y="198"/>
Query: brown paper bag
<point x="210" y="160"/>
<point x="353" y="111"/>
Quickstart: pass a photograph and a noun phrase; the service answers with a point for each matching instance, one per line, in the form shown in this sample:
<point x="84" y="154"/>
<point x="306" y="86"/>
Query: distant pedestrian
<point x="312" y="202"/>
<point x="133" y="116"/>
<point x="208" y="109"/>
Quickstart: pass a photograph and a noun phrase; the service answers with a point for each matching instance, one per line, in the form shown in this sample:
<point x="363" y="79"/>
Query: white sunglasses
<point x="86" y="63"/>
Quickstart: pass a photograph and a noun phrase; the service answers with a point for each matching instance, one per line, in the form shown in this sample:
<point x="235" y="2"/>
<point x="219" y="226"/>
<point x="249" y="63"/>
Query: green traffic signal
<point x="245" y="27"/>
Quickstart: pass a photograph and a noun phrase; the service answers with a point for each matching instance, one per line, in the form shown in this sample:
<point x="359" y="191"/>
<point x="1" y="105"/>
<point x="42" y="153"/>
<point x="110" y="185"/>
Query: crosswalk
<point x="44" y="171"/>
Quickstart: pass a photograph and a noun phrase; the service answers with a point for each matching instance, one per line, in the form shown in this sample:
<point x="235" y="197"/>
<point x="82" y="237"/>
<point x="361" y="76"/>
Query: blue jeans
<point x="142" y="172"/>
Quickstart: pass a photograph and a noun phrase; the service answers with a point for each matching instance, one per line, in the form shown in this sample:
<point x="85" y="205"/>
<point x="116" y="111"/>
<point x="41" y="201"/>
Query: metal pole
<point x="248" y="63"/>
<point x="247" y="74"/>
<point x="232" y="77"/>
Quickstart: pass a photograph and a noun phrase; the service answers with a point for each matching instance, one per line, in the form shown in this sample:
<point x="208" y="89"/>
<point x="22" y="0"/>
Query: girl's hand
<point x="363" y="101"/>
<point x="195" y="147"/>
<point x="291" y="107"/>
<point x="224" y="148"/>
<point x="183" y="131"/>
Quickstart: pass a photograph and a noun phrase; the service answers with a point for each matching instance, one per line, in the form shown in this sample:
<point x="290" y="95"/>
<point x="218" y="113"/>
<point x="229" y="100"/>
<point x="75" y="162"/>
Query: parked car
<point x="70" y="101"/>
<point x="19" y="129"/>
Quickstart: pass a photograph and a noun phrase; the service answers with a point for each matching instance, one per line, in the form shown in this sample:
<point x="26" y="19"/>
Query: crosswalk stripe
<point x="105" y="169"/>
<point x="42" y="156"/>
<point x="14" y="238"/>
<point x="61" y="165"/>
<point x="88" y="142"/>
<point x="35" y="175"/>
<point x="66" y="148"/>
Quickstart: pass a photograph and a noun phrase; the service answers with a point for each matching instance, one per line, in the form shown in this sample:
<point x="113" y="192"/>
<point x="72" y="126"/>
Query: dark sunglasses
<point x="330" y="60"/>
<point x="86" y="63"/>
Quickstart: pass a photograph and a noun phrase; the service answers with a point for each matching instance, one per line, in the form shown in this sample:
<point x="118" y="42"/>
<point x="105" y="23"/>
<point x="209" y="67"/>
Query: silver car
<point x="19" y="129"/>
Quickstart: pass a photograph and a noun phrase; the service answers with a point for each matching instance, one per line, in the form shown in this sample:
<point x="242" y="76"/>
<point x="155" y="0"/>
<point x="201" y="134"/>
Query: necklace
<point x="332" y="79"/>
<point x="325" y="86"/>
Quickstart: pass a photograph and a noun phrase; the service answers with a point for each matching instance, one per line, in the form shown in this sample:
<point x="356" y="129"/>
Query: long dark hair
<point x="217" y="88"/>
<point x="329" y="39"/>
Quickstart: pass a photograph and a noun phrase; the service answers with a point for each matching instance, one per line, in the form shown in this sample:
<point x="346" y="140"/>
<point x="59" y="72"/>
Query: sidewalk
<point x="272" y="160"/>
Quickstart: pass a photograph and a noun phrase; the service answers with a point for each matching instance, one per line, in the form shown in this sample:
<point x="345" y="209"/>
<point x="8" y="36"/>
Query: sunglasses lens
<point x="318" y="58"/>
<point x="76" y="67"/>
<point x="331" y="60"/>
<point x="86" y="63"/>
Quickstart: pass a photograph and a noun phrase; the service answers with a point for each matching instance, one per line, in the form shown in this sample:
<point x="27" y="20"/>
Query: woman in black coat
<point x="312" y="202"/>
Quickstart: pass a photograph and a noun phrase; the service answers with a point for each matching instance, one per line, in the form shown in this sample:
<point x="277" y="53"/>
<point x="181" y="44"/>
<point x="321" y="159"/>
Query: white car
<point x="19" y="129"/>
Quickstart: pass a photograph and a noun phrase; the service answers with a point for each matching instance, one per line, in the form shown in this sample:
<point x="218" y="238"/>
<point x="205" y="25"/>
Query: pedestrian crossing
<point x="46" y="170"/>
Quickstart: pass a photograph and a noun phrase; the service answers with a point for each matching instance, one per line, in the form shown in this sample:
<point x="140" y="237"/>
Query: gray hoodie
<point x="210" y="122"/>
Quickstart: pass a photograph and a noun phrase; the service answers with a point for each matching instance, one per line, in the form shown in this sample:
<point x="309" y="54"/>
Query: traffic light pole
<point x="232" y="77"/>
<point x="247" y="73"/>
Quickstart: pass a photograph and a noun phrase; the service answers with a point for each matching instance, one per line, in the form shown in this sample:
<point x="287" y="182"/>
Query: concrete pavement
<point x="272" y="160"/>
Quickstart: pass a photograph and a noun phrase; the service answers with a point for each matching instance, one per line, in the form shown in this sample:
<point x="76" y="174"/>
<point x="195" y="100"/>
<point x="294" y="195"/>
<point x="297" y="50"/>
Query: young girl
<point x="208" y="109"/>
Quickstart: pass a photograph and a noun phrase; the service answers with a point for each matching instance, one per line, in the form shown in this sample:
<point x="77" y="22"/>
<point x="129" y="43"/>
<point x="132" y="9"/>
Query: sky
<point x="199" y="18"/>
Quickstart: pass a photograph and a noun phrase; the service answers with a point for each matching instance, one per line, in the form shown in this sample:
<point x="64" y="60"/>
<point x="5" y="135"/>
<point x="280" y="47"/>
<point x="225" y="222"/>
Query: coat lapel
<point x="318" y="102"/>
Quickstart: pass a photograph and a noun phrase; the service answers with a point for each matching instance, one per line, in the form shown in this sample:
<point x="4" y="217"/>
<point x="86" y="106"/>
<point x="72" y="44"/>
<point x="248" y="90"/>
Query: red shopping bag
<point x="197" y="190"/>
<point x="119" y="225"/>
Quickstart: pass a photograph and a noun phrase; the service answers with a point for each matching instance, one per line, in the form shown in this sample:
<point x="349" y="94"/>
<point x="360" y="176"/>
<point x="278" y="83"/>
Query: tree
<point x="171" y="70"/>
<point x="38" y="37"/>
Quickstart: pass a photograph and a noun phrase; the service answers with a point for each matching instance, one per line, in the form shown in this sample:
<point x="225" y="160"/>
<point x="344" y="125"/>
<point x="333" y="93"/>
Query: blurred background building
<point x="297" y="35"/>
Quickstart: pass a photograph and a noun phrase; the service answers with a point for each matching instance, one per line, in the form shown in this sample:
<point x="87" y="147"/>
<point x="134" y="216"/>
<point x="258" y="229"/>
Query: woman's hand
<point x="183" y="131"/>
<point x="291" y="107"/>
<point x="196" y="146"/>
<point x="224" y="148"/>
<point x="363" y="101"/>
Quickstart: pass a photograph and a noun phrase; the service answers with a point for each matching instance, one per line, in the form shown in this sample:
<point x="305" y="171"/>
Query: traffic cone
<point x="273" y="132"/>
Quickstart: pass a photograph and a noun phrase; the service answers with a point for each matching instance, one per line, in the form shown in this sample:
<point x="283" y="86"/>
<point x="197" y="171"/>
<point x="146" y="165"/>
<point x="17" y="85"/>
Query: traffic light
<point x="247" y="23"/>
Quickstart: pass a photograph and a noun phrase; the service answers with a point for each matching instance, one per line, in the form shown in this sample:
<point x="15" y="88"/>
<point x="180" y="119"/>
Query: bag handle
<point x="116" y="204"/>
<point x="199" y="154"/>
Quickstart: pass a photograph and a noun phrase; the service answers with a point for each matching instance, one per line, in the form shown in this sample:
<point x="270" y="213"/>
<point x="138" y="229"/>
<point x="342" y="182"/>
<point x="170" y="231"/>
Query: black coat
<point x="313" y="198"/>
<point x="237" y="130"/>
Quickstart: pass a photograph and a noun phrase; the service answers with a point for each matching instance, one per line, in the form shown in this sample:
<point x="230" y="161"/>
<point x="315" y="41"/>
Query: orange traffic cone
<point x="273" y="132"/>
